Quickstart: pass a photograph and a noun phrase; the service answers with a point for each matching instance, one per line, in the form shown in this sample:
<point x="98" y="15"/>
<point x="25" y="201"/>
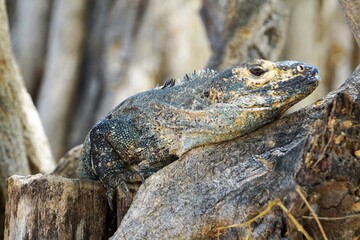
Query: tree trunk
<point x="61" y="70"/>
<point x="29" y="34"/>
<point x="244" y="29"/>
<point x="12" y="152"/>
<point x="52" y="207"/>
<point x="37" y="146"/>
<point x="23" y="139"/>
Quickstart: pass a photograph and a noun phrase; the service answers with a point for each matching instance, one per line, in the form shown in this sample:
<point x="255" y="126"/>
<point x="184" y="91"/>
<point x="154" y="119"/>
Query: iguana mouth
<point x="310" y="77"/>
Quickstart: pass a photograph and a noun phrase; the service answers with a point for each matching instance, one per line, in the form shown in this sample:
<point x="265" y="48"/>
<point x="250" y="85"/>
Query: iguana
<point x="152" y="129"/>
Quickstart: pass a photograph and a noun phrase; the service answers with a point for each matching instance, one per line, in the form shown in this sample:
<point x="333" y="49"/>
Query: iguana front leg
<point x="110" y="142"/>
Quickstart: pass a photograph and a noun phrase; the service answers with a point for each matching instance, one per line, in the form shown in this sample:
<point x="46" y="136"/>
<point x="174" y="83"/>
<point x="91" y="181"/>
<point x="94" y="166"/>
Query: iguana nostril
<point x="316" y="74"/>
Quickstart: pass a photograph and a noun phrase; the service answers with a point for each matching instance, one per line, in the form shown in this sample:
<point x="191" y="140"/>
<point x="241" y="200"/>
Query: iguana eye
<point x="300" y="68"/>
<point x="257" y="70"/>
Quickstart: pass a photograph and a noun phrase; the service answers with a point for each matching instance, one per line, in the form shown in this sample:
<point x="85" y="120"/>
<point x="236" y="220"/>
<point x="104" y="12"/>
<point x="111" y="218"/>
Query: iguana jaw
<point x="292" y="90"/>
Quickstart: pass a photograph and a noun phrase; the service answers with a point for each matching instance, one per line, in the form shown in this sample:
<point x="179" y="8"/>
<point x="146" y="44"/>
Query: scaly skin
<point x="152" y="129"/>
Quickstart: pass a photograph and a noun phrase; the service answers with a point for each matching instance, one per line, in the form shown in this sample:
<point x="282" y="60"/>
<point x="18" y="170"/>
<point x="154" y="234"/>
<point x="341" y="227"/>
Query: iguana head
<point x="273" y="84"/>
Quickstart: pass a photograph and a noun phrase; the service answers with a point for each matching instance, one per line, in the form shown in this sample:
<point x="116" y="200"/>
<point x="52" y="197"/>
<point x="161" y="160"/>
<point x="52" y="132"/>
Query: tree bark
<point x="12" y="152"/>
<point x="37" y="146"/>
<point x="52" y="207"/>
<point x="23" y="139"/>
<point x="13" y="157"/>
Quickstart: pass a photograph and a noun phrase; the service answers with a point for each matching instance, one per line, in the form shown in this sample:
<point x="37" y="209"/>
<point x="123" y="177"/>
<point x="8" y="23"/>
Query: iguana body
<point x="152" y="129"/>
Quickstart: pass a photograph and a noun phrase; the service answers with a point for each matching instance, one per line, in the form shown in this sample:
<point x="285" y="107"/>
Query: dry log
<point x="53" y="207"/>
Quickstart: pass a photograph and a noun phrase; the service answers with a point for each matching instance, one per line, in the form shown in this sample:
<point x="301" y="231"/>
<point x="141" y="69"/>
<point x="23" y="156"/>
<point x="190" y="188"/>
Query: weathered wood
<point x="53" y="207"/>
<point x="12" y="152"/>
<point x="12" y="149"/>
<point x="37" y="146"/>
<point x="316" y="148"/>
<point x="67" y="166"/>
<point x="123" y="202"/>
<point x="23" y="141"/>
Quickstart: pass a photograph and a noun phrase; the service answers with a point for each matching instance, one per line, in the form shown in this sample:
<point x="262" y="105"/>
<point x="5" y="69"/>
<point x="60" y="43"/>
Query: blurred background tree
<point x="81" y="58"/>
